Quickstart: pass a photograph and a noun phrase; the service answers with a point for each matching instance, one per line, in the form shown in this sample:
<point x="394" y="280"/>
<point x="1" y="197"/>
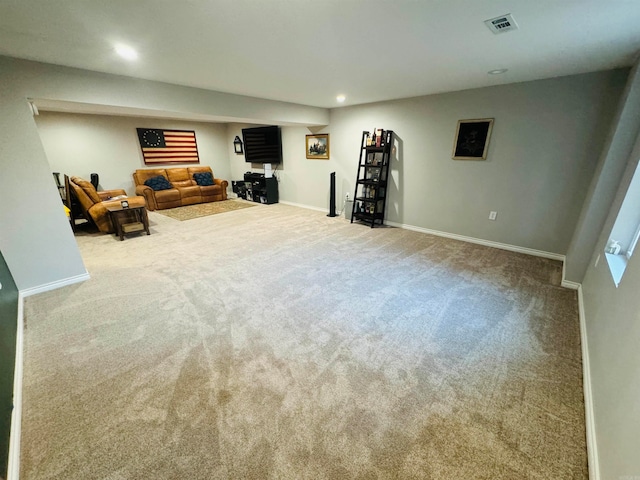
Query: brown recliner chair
<point x="93" y="204"/>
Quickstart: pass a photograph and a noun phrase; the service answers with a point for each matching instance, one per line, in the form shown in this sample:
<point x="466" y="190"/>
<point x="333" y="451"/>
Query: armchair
<point x="93" y="204"/>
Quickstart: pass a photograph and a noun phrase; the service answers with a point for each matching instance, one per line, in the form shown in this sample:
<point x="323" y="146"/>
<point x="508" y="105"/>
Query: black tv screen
<point x="262" y="144"/>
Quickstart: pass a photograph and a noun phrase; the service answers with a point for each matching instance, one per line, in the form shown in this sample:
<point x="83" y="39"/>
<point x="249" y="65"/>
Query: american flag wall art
<point x="168" y="146"/>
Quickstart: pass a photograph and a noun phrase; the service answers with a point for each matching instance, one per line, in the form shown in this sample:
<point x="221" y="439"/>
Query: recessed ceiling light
<point x="341" y="98"/>
<point x="498" y="71"/>
<point x="126" y="52"/>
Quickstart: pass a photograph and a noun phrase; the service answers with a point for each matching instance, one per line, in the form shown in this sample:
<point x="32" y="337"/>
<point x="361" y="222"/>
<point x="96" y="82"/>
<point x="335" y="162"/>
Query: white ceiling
<point x="309" y="51"/>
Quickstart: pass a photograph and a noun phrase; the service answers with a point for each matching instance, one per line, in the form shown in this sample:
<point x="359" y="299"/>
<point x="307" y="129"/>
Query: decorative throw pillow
<point x="204" y="179"/>
<point x="158" y="183"/>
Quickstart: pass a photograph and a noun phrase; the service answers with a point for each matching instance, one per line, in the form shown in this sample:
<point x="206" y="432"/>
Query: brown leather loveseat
<point x="183" y="188"/>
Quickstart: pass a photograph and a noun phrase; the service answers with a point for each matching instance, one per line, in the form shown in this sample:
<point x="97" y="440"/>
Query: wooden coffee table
<point x="129" y="220"/>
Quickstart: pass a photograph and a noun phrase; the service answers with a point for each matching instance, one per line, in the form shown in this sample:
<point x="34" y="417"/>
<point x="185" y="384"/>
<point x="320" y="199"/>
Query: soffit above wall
<point x="48" y="105"/>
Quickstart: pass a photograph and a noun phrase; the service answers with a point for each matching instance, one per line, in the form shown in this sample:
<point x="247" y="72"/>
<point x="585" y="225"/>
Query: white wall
<point x="612" y="315"/>
<point x="301" y="181"/>
<point x="35" y="237"/>
<point x="546" y="140"/>
<point x="609" y="171"/>
<point x="613" y="327"/>
<point x="304" y="181"/>
<point x="612" y="319"/>
<point x="79" y="145"/>
<point x="237" y="164"/>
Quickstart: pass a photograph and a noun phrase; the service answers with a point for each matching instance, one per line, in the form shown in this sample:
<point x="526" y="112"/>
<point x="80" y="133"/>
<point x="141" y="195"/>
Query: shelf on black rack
<point x="367" y="216"/>
<point x="366" y="181"/>
<point x="367" y="199"/>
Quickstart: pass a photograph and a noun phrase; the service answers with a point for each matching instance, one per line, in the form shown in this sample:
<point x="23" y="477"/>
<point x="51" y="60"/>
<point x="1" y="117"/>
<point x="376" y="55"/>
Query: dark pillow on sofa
<point x="204" y="179"/>
<point x="158" y="183"/>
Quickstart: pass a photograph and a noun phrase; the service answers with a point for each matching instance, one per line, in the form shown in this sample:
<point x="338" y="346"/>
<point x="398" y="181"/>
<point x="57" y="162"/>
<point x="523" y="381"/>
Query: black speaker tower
<point x="332" y="195"/>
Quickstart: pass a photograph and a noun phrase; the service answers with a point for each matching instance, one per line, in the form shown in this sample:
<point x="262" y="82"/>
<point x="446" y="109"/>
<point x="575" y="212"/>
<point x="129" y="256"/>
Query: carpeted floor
<point x="189" y="212"/>
<point x="278" y="343"/>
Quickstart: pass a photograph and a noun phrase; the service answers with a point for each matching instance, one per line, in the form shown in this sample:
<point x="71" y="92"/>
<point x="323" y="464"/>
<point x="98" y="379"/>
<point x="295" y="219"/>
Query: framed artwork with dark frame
<point x="472" y="139"/>
<point x="318" y="146"/>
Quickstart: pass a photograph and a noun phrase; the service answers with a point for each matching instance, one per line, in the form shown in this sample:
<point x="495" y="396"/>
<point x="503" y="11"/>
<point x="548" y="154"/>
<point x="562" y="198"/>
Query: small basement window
<point x="625" y="232"/>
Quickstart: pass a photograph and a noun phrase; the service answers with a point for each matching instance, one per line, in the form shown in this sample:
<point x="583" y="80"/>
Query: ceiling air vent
<point x="501" y="24"/>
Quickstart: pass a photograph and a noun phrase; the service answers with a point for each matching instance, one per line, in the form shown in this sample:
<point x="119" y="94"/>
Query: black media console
<point x="257" y="188"/>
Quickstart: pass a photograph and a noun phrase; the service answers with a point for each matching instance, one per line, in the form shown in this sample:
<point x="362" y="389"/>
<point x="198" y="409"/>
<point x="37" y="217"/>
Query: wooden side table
<point x="129" y="220"/>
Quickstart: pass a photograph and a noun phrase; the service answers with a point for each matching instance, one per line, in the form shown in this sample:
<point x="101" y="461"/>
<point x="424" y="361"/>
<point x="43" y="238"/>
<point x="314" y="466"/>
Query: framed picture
<point x="472" y="139"/>
<point x="318" y="146"/>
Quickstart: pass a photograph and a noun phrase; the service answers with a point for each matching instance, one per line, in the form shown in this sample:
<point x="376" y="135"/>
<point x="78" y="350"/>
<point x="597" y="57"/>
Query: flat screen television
<point x="262" y="144"/>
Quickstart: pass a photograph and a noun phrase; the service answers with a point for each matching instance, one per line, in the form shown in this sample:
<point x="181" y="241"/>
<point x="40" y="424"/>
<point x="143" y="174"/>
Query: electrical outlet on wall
<point x="493" y="215"/>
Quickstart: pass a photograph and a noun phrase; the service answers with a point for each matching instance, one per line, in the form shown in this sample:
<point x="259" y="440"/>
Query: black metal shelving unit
<point x="370" y="197"/>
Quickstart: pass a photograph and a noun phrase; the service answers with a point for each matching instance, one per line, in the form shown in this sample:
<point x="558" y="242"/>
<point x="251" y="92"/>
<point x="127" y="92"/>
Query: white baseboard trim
<point x="570" y="284"/>
<point x="480" y="241"/>
<point x="27" y="292"/>
<point x="592" y="445"/>
<point x="302" y="205"/>
<point x="463" y="238"/>
<point x="13" y="469"/>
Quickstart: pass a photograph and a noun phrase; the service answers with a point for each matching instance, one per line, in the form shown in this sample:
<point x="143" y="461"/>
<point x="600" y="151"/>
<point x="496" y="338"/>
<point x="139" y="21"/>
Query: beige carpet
<point x="189" y="212"/>
<point x="277" y="343"/>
